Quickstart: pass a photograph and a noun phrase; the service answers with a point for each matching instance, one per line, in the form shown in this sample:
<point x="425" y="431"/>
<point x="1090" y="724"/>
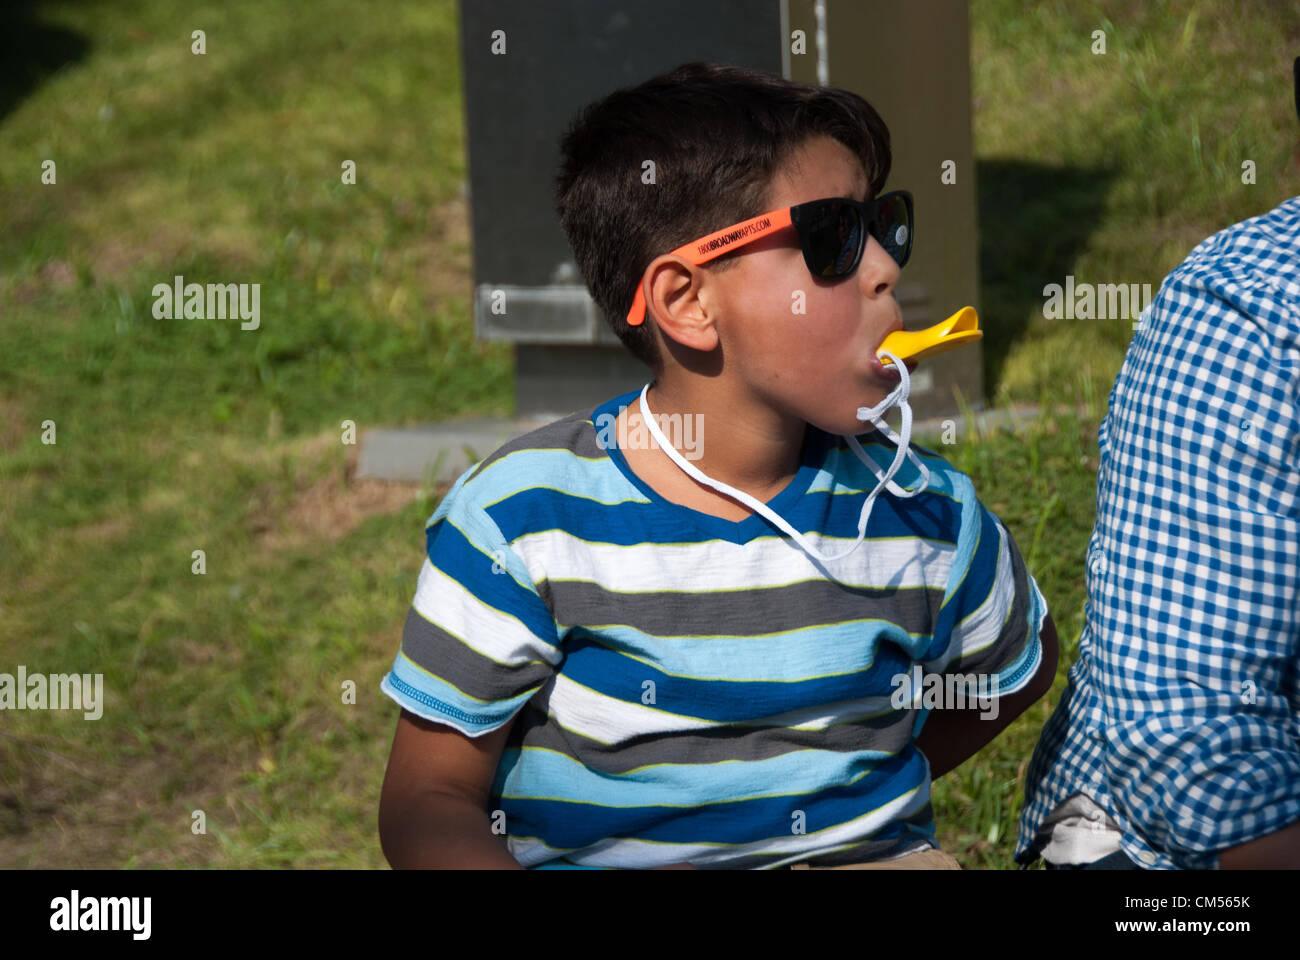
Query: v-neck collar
<point x="812" y="454"/>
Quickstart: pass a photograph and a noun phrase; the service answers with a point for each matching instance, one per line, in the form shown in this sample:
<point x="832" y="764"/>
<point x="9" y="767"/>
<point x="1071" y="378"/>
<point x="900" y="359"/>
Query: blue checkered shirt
<point x="1182" y="714"/>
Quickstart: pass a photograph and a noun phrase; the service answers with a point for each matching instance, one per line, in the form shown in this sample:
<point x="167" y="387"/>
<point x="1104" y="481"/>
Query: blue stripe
<point x="977" y="576"/>
<point x="423" y="694"/>
<point x="451" y="552"/>
<point x="827" y="649"/>
<point x="632" y="523"/>
<point x="571" y="826"/>
<point x="615" y="675"/>
<point x="543" y="774"/>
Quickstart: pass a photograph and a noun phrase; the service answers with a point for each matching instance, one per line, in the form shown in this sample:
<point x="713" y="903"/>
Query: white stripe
<point x="721" y="565"/>
<point x="484" y="629"/>
<point x="983" y="625"/>
<point x="609" y="720"/>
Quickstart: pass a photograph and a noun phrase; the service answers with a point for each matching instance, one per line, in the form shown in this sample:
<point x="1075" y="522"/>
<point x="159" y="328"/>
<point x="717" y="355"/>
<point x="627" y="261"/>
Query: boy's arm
<point x="433" y="808"/>
<point x="477" y="643"/>
<point x="952" y="736"/>
<point x="1275" y="851"/>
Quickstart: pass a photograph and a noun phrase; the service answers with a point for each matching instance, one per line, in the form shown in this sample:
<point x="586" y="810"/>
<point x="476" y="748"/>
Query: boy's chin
<point x="840" y="416"/>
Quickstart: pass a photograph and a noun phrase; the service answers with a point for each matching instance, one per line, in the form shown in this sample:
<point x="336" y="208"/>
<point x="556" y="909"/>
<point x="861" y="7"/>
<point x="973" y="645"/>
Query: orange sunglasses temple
<point x="715" y="245"/>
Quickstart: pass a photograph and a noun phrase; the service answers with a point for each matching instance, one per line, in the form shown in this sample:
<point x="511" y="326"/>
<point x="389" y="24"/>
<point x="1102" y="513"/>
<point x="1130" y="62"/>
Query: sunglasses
<point x="832" y="233"/>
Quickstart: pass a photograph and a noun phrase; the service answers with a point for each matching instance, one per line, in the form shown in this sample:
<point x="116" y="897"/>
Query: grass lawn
<point x="224" y="691"/>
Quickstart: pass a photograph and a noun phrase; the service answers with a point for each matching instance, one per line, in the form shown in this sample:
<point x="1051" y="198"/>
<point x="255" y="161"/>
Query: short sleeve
<point x="993" y="612"/>
<point x="479" y="641"/>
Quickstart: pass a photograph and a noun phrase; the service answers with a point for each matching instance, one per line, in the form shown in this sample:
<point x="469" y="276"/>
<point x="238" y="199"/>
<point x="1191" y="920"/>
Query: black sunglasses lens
<point x="832" y="238"/>
<point x="833" y="233"/>
<point x="892" y="227"/>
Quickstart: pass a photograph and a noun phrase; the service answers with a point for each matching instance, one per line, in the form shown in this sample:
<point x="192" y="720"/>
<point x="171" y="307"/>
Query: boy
<point x="615" y="658"/>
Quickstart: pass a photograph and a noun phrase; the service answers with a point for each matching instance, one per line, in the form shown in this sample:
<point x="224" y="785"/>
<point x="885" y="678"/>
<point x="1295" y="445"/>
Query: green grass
<point x="224" y="690"/>
<point x="1112" y="166"/>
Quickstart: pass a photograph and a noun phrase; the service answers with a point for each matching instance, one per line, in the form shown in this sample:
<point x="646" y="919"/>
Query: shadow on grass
<point x="1034" y="222"/>
<point x="31" y="50"/>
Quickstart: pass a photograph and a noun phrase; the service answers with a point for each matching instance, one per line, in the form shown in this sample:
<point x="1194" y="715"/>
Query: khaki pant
<point x="931" y="859"/>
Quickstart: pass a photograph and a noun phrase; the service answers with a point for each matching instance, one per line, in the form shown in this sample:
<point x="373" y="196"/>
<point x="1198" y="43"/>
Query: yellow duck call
<point x="961" y="328"/>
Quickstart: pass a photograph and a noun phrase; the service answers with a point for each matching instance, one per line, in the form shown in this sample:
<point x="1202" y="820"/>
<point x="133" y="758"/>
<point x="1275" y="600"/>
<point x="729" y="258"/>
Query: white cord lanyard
<point x="874" y="414"/>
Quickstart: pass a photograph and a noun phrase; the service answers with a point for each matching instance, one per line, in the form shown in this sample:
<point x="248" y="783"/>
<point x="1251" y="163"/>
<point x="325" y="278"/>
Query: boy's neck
<point x="745" y="443"/>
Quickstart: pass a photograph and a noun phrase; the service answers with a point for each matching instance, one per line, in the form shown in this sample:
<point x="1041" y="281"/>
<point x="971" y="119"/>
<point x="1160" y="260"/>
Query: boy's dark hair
<point x="717" y="134"/>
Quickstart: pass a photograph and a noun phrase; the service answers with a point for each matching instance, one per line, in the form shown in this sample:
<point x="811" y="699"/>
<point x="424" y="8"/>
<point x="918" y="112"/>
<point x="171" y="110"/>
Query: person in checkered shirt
<point x="1177" y="741"/>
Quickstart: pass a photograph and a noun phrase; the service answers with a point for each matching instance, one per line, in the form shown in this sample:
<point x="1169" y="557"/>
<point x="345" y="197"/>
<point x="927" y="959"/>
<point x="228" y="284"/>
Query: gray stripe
<point x="889" y="734"/>
<point x="741" y="613"/>
<point x="1011" y="641"/>
<point x="575" y="432"/>
<point x="450" y="660"/>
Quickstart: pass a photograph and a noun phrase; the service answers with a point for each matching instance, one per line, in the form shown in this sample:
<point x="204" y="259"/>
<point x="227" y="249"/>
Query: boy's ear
<point x="674" y="299"/>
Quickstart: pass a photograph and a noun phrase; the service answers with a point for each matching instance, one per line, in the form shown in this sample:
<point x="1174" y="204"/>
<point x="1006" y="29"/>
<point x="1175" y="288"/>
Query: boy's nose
<point x="878" y="273"/>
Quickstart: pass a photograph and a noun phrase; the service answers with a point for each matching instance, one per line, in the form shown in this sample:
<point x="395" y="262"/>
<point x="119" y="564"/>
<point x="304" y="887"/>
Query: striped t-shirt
<point x="691" y="688"/>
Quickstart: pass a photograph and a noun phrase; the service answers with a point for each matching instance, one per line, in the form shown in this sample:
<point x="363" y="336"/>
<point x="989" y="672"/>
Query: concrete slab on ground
<point x="441" y="451"/>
